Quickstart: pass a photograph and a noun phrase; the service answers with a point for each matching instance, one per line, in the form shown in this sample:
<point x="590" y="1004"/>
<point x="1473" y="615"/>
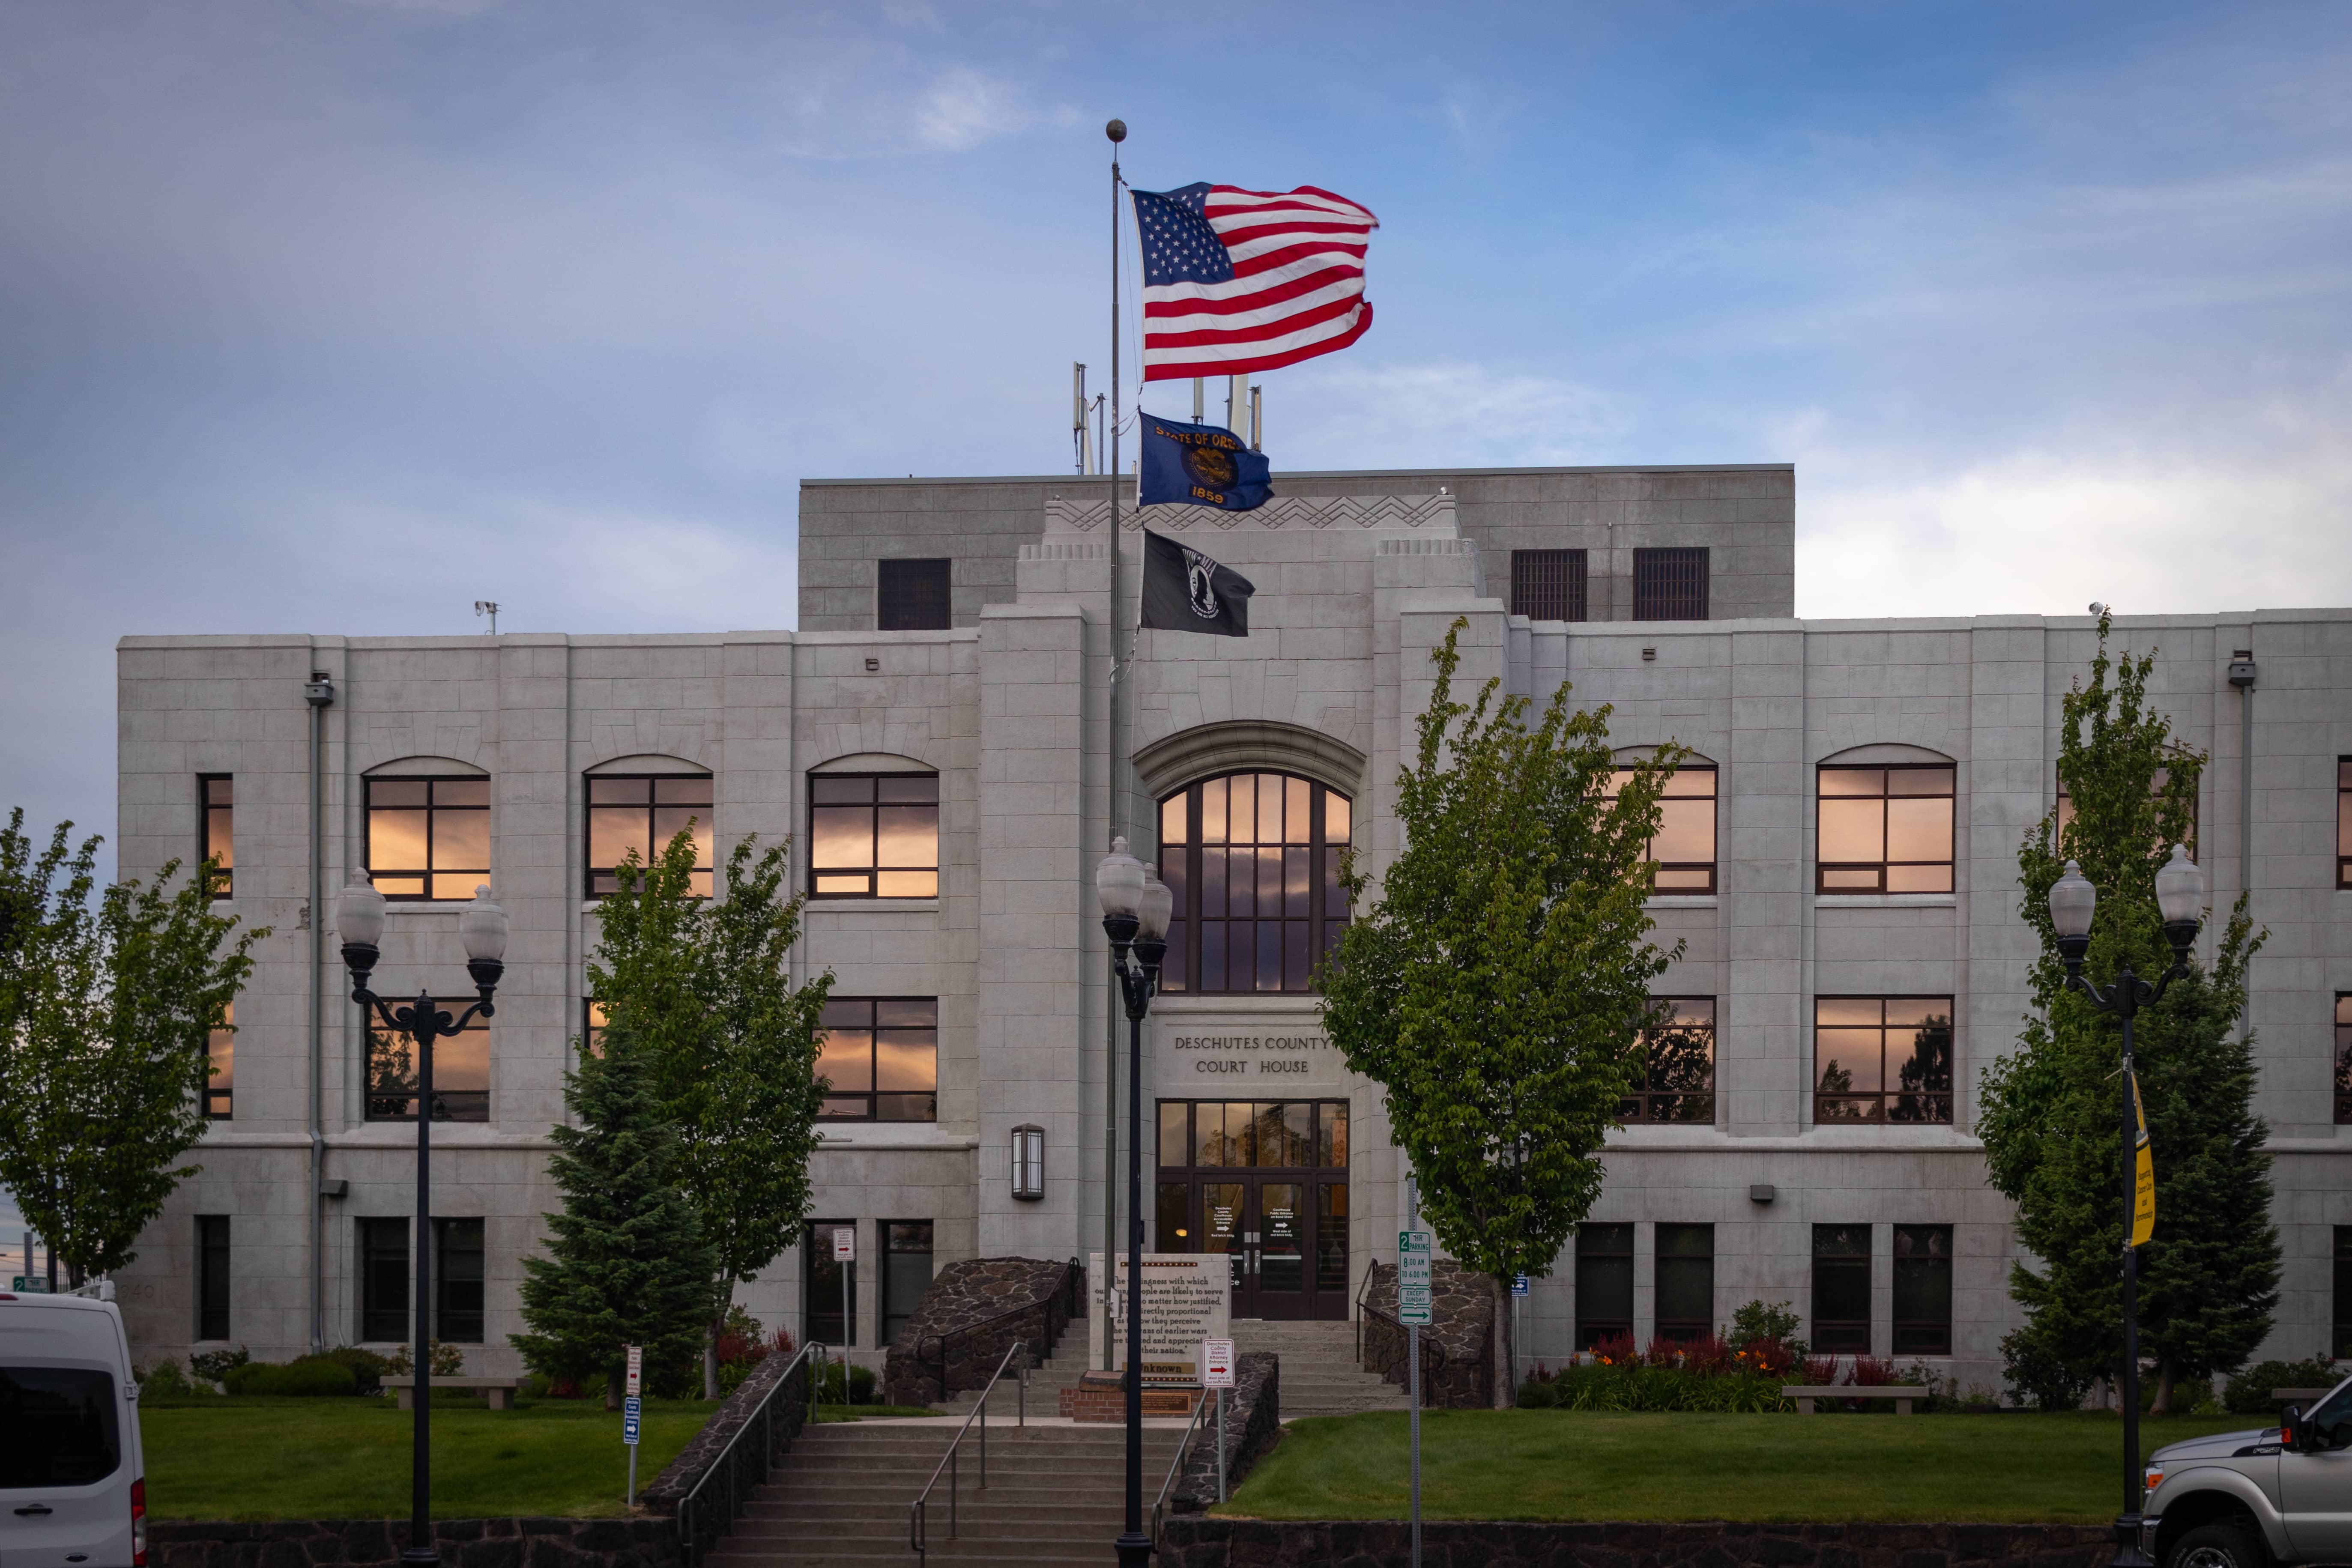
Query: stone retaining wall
<point x="1200" y="1541"/>
<point x="965" y="1296"/>
<point x="462" y="1542"/>
<point x="1253" y="1426"/>
<point x="1457" y="1349"/>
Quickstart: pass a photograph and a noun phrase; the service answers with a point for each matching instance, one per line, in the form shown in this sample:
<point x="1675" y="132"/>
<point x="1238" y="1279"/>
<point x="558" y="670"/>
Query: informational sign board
<point x="844" y="1244"/>
<point x="1216" y="1364"/>
<point x="31" y="1284"/>
<point x="1518" y="1284"/>
<point x="1187" y="1298"/>
<point x="637" y="1370"/>
<point x="631" y="1409"/>
<point x="1412" y="1277"/>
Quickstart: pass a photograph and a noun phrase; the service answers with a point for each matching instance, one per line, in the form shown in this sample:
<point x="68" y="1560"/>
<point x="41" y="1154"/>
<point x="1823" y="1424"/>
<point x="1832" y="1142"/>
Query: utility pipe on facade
<point x="319" y="693"/>
<point x="2242" y="676"/>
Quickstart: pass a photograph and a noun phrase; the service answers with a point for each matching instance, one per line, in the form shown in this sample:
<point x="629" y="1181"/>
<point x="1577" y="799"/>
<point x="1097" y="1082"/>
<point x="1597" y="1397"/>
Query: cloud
<point x="1446" y="412"/>
<point x="964" y="108"/>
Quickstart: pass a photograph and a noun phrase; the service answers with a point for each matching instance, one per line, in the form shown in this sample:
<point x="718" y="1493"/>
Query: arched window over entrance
<point x="1253" y="861"/>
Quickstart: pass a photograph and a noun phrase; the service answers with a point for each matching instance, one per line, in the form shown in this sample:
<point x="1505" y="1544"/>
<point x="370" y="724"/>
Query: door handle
<point x="34" y="1509"/>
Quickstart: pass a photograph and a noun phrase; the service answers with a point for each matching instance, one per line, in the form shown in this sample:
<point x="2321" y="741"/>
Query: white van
<point x="73" y="1485"/>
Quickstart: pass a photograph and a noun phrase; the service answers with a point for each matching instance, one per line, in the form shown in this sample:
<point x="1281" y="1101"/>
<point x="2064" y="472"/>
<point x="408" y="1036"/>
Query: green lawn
<point x="1549" y="1464"/>
<point x="348" y="1458"/>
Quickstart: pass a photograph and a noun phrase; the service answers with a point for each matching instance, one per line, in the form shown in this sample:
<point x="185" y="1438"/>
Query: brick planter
<point x="1200" y="1541"/>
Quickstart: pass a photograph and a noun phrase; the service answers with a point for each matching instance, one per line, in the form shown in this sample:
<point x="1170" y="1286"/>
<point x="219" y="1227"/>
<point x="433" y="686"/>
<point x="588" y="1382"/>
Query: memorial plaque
<point x="1187" y="1298"/>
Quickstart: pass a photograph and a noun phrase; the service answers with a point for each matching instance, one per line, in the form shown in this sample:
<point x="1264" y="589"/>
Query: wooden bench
<point x="499" y="1391"/>
<point x="2301" y="1395"/>
<point x="1902" y="1394"/>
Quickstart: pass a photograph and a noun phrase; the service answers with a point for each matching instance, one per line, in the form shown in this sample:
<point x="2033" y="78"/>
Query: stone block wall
<point x="973" y="1313"/>
<point x="1252" y="1426"/>
<point x="1205" y="1542"/>
<point x="1457" y="1349"/>
<point x="462" y="1542"/>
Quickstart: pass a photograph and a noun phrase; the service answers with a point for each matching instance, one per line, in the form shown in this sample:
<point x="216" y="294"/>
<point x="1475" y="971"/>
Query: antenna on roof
<point x="1078" y="432"/>
<point x="488" y="607"/>
<point x="1257" y="418"/>
<point x="1199" y="386"/>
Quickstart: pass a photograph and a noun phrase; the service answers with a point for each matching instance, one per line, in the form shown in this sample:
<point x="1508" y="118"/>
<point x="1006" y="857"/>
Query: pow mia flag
<point x="1184" y="591"/>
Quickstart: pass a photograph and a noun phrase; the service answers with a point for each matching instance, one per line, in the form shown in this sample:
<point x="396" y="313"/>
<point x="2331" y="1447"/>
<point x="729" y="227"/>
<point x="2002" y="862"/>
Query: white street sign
<point x="844" y="1244"/>
<point x="1216" y="1364"/>
<point x="1412" y="1277"/>
<point x="636" y="1370"/>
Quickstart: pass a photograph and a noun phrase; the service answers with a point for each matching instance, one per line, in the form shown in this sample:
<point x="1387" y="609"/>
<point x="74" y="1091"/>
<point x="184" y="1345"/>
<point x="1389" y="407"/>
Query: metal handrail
<point x="1371" y="1267"/>
<point x="1431" y="1350"/>
<point x="689" y="1524"/>
<point x="1071" y="1273"/>
<point x="1183" y="1447"/>
<point x="918" y="1514"/>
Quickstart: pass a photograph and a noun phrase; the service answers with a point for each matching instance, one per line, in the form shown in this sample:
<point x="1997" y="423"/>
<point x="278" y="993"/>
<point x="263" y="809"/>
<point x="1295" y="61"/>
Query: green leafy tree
<point x="732" y="1043"/>
<point x="1499" y="988"/>
<point x="2051" y="1112"/>
<point x="107" y="1000"/>
<point x="626" y="1263"/>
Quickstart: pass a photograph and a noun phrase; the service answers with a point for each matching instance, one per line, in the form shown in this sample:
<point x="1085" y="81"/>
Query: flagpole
<point x="1116" y="131"/>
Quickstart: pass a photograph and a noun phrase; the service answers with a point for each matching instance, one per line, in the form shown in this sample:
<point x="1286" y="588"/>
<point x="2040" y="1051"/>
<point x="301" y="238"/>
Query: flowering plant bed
<point x="1704" y="1374"/>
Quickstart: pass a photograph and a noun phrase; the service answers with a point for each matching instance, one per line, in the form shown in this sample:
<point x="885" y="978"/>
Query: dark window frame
<point x="1180" y="867"/>
<point x="1591" y="1329"/>
<point x="1670" y="582"/>
<point x="430" y="872"/>
<point x="874" y="1094"/>
<point x="382" y="1301"/>
<point x="225" y="807"/>
<point x="2342" y="1075"/>
<point x="707" y="817"/>
<point x="214" y="1278"/>
<point x="873" y="870"/>
<point x="1543" y="581"/>
<point x="1177" y="1184"/>
<point x="449" y="1104"/>
<point x="893" y="1311"/>
<point x="1842" y="1336"/>
<point x="1916" y="1271"/>
<point x="2343" y="1292"/>
<point x="220" y="1089"/>
<point x="460" y="1306"/>
<point x="810" y="1258"/>
<point x="1883" y="866"/>
<point x="1648" y="1101"/>
<point x="1713" y="798"/>
<point x="910" y="600"/>
<point x="1681" y="1329"/>
<point x="2344" y="822"/>
<point x="1886" y="1113"/>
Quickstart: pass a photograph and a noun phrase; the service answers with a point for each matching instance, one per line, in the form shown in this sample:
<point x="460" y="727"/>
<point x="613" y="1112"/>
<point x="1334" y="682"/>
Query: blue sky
<point x="336" y="316"/>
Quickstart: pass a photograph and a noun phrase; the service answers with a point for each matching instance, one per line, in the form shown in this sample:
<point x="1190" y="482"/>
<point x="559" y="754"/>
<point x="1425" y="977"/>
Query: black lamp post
<point x="1136" y="905"/>
<point x="359" y="917"/>
<point x="2180" y="897"/>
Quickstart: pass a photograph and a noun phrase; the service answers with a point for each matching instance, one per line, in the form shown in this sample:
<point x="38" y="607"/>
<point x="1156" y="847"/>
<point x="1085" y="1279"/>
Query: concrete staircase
<point x="1055" y="1495"/>
<point x="1320" y="1375"/>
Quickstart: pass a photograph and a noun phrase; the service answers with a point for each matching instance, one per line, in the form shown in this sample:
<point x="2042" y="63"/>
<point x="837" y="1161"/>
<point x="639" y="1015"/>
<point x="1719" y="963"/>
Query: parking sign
<point x="1412" y="1277"/>
<point x="631" y="1409"/>
<point x="844" y="1244"/>
<point x="637" y="1370"/>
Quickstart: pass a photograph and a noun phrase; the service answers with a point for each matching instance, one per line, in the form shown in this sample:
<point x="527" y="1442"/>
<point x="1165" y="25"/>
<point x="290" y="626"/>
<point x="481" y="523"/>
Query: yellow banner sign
<point x="2144" y="1172"/>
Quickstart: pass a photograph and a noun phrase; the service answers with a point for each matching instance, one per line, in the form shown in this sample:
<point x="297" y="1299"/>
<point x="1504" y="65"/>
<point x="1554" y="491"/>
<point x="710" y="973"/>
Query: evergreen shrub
<point x="2249" y="1393"/>
<point x="312" y="1378"/>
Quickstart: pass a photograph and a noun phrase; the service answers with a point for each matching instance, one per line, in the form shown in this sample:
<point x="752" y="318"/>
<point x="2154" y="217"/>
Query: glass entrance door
<point x="1265" y="1184"/>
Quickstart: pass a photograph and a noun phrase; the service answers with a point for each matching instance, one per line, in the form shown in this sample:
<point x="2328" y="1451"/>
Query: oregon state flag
<point x="2143" y="1224"/>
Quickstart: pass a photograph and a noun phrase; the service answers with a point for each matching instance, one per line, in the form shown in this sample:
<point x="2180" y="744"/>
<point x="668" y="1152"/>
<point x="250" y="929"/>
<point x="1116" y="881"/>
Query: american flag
<point x="1238" y="280"/>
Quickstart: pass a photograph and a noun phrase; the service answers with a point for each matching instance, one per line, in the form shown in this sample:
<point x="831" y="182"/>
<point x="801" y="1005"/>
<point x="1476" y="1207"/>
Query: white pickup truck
<point x="2277" y="1495"/>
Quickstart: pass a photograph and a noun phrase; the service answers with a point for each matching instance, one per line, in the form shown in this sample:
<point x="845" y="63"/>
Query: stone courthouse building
<point x="1839" y="859"/>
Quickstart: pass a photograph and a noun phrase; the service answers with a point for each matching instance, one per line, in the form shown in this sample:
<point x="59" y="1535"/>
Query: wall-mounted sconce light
<point x="1029" y="1163"/>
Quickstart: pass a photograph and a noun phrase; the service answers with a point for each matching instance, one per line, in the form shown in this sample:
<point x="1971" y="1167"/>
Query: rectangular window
<point x="2344" y="1058"/>
<point x="461" y="1071"/>
<point x="219" y="835"/>
<point x="383" y="1280"/>
<point x="1883" y="1058"/>
<point x="592" y="1026"/>
<point x="906" y="1272"/>
<point x="874" y="835"/>
<point x="2343" y="1344"/>
<point x="1842" y="1289"/>
<point x="212" y="1276"/>
<point x="823" y="1322"/>
<point x="1605" y="1283"/>
<point x="1548" y="585"/>
<point x="1670" y="585"/>
<point x="1685" y="1270"/>
<point x="879" y="1057"/>
<point x="913" y="595"/>
<point x="1684" y="848"/>
<point x="1252" y="860"/>
<point x="1923" y="1290"/>
<point x="428" y="839"/>
<point x="457" y="1281"/>
<point x="1884" y="830"/>
<point x="640" y="816"/>
<point x="220" y="1050"/>
<point x="2344" y="822"/>
<point x="1677" y="1081"/>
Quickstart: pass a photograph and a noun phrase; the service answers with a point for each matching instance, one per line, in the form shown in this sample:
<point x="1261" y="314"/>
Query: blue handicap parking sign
<point x="1518" y="1284"/>
<point x="631" y="1408"/>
